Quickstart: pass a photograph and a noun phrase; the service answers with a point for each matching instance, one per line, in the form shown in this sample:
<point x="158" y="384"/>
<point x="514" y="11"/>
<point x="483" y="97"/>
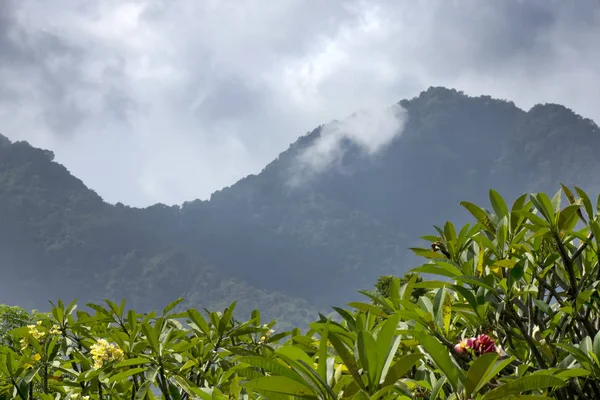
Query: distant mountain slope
<point x="289" y="249"/>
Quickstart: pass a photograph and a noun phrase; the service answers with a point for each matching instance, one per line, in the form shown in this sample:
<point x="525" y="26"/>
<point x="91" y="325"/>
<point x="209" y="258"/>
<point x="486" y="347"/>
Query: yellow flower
<point x="36" y="357"/>
<point x="55" y="330"/>
<point x="267" y="335"/>
<point x="33" y="331"/>
<point x="39" y="323"/>
<point x="102" y="351"/>
<point x="116" y="353"/>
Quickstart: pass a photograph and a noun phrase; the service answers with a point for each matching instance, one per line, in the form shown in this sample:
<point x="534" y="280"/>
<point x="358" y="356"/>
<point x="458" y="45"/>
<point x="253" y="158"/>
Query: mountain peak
<point x="4" y="141"/>
<point x="560" y="115"/>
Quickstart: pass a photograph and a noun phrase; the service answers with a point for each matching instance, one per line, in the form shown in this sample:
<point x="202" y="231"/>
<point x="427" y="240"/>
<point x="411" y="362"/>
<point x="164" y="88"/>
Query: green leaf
<point x="443" y="309"/>
<point x="595" y="227"/>
<point x="449" y="231"/>
<point x="596" y="345"/>
<point x="294" y="353"/>
<point x="570" y="197"/>
<point x="401" y="367"/>
<point x="467" y="294"/>
<point x="556" y="200"/>
<point x="478" y="374"/>
<point x="536" y="219"/>
<point x="573" y="373"/>
<point x="524" y="384"/>
<point x="151" y="337"/>
<point x="125" y="374"/>
<point x="387" y="345"/>
<point x="323" y="353"/>
<point x="365" y="307"/>
<point x="347" y="317"/>
<point x="279" y="384"/>
<point x="498" y="204"/>
<point x="347" y="358"/>
<point x="172" y="305"/>
<point x="143" y="390"/>
<point x="542" y="202"/>
<point x="225" y="319"/>
<point x="368" y="356"/>
<point x="542" y="305"/>
<point x="173" y="391"/>
<point x="480" y="215"/>
<point x="433" y="269"/>
<point x="475" y="281"/>
<point x="408" y="288"/>
<point x="587" y="204"/>
<point x="269" y="365"/>
<point x="437" y="388"/>
<point x="395" y="291"/>
<point x="199" y="321"/>
<point x="427" y="253"/>
<point x="567" y="217"/>
<point x="442" y="358"/>
<point x="506" y="263"/>
<point x="191" y="389"/>
<point x="515" y="218"/>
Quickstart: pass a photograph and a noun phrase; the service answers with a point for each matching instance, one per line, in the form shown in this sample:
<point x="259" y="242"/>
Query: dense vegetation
<point x="513" y="313"/>
<point x="264" y="243"/>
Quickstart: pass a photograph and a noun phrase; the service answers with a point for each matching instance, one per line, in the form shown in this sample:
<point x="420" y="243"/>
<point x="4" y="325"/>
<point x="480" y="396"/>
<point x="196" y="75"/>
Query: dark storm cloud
<point x="41" y="59"/>
<point x="487" y="36"/>
<point x="188" y="96"/>
<point x="46" y="68"/>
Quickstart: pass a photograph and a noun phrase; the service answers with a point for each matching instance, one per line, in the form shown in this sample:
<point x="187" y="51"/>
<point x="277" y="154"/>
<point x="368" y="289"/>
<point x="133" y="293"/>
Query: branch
<point x="582" y="247"/>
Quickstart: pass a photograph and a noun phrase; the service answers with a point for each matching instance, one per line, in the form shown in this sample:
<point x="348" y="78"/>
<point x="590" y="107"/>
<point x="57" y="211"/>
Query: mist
<point x="370" y="130"/>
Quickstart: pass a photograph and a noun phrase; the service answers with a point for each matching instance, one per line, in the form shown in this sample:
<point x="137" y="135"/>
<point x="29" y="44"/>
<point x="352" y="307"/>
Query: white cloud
<point x="163" y="100"/>
<point x="371" y="130"/>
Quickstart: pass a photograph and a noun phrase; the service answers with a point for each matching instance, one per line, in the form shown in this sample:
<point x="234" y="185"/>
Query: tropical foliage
<point x="513" y="314"/>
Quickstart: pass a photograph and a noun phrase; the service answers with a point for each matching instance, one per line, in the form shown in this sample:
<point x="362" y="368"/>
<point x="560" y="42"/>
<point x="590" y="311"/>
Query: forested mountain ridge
<point x="269" y="244"/>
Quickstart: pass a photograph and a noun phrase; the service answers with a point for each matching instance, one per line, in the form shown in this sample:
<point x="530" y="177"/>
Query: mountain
<point x="289" y="249"/>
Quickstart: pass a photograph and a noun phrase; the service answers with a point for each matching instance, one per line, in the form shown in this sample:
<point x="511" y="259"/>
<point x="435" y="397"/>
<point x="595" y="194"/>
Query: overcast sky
<point x="169" y="100"/>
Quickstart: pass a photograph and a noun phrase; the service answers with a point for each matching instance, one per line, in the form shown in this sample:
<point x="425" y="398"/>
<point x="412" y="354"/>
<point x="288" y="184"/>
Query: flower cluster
<point x="102" y="351"/>
<point x="35" y="332"/>
<point x="55" y="330"/>
<point x="478" y="345"/>
<point x="267" y="335"/>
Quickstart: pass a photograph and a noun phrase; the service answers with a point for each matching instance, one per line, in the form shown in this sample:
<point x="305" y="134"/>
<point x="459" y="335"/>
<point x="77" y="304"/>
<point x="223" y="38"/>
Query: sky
<point x="169" y="100"/>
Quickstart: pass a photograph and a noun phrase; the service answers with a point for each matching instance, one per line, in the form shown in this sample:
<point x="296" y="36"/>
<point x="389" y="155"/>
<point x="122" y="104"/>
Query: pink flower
<point x="484" y="344"/>
<point x="464" y="345"/>
<point x="479" y="345"/>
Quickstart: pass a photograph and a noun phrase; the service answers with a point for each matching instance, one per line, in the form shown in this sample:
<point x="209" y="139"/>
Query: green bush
<point x="513" y="315"/>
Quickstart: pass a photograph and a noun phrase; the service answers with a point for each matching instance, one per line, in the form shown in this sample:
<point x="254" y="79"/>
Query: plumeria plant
<point x="512" y="314"/>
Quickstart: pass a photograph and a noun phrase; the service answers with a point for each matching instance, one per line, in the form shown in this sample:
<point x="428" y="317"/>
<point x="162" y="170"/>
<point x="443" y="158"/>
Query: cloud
<point x="369" y="130"/>
<point x="161" y="100"/>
